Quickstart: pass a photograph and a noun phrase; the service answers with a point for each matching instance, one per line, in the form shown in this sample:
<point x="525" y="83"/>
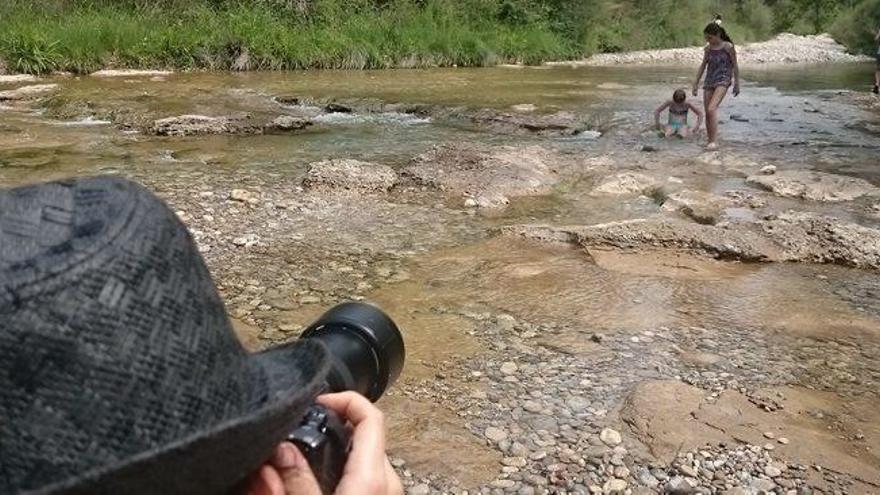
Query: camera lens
<point x="366" y="347"/>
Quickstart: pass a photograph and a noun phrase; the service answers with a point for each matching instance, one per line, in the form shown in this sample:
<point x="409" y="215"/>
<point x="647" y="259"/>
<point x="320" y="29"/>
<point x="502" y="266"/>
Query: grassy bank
<point x="84" y="35"/>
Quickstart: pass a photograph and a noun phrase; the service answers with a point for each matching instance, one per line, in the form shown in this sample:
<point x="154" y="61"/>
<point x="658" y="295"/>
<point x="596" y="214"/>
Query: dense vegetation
<point x="83" y="35"/>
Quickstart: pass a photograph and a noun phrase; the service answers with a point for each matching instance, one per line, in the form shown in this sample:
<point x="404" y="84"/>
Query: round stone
<point x="610" y="437"/>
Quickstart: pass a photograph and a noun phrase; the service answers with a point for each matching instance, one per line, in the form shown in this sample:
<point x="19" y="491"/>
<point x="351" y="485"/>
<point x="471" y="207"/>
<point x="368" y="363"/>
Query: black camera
<point x="367" y="355"/>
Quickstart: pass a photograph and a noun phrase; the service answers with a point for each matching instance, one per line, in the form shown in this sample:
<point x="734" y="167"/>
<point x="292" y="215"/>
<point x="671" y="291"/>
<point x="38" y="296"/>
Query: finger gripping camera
<point x="366" y="356"/>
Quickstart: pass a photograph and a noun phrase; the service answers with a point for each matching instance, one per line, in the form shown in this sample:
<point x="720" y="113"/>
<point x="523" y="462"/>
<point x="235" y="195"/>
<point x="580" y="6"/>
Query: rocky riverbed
<point x="587" y="309"/>
<point x="783" y="49"/>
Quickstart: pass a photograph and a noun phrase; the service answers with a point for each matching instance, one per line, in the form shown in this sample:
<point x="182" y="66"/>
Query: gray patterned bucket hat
<point x="119" y="369"/>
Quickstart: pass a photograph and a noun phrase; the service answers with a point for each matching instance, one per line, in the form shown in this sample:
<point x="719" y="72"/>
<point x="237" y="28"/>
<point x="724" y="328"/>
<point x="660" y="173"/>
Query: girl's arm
<point x="701" y="69"/>
<point x="698" y="113"/>
<point x="735" y="70"/>
<point x="659" y="111"/>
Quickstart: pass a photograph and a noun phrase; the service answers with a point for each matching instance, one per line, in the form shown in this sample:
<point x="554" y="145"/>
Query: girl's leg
<point x="712" y="112"/>
<point x="685" y="132"/>
<point x="707" y="98"/>
<point x="669" y="131"/>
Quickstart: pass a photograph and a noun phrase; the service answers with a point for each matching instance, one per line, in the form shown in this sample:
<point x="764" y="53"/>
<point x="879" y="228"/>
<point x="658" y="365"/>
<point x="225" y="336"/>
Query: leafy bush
<point x="857" y="26"/>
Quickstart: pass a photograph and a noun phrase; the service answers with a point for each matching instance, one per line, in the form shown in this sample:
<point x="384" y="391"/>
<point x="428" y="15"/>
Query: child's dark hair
<point x="714" y="29"/>
<point x="679" y="96"/>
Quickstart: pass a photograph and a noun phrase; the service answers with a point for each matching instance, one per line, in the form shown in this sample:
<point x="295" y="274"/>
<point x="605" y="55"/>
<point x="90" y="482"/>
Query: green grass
<point x="84" y="35"/>
<point x="434" y="34"/>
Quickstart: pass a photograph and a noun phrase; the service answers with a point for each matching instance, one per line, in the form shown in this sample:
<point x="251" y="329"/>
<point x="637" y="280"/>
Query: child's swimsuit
<point x="720" y="68"/>
<point x="681" y="121"/>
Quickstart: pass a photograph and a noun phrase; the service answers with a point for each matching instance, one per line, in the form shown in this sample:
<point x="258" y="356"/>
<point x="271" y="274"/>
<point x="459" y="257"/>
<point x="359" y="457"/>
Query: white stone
<point x="610" y="437"/>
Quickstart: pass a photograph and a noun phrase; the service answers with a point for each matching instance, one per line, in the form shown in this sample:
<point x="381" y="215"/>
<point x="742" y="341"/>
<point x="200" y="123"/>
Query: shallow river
<point x="764" y="321"/>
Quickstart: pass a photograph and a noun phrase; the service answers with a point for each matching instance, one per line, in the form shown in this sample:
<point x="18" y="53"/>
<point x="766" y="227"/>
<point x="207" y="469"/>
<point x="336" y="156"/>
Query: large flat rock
<point x="350" y="175"/>
<point x="816" y="186"/>
<point x="27" y="92"/>
<point x="793" y="236"/>
<point x="488" y="176"/>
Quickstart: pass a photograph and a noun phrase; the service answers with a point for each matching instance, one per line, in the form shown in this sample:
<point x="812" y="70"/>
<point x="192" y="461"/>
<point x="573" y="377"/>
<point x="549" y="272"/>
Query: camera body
<point x="367" y="355"/>
<point x="324" y="441"/>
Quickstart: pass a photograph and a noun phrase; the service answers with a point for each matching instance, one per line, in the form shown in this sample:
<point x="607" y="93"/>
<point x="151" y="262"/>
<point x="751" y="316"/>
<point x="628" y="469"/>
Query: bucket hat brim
<point x="219" y="458"/>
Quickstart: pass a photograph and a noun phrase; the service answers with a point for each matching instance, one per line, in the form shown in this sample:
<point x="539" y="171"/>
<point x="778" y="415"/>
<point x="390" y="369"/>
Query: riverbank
<point x="83" y="37"/>
<point x="783" y="49"/>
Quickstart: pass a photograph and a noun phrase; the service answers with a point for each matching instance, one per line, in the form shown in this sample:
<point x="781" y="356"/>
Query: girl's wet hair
<point x="714" y="29"/>
<point x="679" y="96"/>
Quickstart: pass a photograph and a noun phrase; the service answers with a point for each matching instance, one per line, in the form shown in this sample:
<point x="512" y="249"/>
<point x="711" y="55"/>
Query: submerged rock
<point x="130" y="73"/>
<point x="816" y="186"/>
<point x="814" y="238"/>
<point x="703" y="207"/>
<point x="334" y="107"/>
<point x="559" y="123"/>
<point x="351" y="175"/>
<point x="196" y="125"/>
<point x="191" y="125"/>
<point x="628" y="183"/>
<point x="27" y="92"/>
<point x="17" y="78"/>
<point x="651" y="233"/>
<point x="800" y="237"/>
<point x="488" y="176"/>
<point x="288" y="123"/>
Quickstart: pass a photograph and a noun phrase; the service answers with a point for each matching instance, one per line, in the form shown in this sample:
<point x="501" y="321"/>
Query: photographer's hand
<point x="367" y="471"/>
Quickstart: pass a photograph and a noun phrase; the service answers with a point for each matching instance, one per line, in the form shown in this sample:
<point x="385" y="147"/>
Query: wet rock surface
<point x="701" y="206"/>
<point x="351" y="175"/>
<point x="560" y="123"/>
<point x="196" y="125"/>
<point x="822" y="239"/>
<point x="723" y="243"/>
<point x="800" y="237"/>
<point x="815" y="186"/>
<point x="628" y="183"/>
<point x="488" y="177"/>
<point x="27" y="92"/>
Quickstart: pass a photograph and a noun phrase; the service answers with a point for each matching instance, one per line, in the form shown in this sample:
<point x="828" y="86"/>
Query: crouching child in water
<point x="678" y="116"/>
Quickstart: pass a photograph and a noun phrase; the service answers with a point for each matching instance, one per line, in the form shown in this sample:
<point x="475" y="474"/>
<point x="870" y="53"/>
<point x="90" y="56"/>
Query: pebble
<point x="503" y="483"/>
<point x="532" y="406"/>
<point x="768" y="169"/>
<point x="646" y="478"/>
<point x="420" y="489"/>
<point x="514" y="461"/>
<point x="614" y="486"/>
<point x="679" y="486"/>
<point x="508" y="368"/>
<point x="610" y="437"/>
<point x="782" y="440"/>
<point x="772" y="471"/>
<point x="242" y="196"/>
<point x="495" y="434"/>
<point x="688" y="471"/>
<point x="762" y="484"/>
<point x="537" y="456"/>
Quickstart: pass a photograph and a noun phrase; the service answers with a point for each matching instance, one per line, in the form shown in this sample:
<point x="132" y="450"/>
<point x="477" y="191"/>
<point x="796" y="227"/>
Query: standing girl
<point x="720" y="66"/>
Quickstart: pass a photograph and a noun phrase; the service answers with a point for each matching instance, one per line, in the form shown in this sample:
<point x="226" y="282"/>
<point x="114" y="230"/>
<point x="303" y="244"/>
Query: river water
<point x="774" y="314"/>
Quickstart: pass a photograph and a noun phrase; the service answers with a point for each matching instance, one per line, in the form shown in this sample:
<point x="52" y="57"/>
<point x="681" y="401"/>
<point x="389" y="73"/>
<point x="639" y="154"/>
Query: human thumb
<point x="295" y="471"/>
